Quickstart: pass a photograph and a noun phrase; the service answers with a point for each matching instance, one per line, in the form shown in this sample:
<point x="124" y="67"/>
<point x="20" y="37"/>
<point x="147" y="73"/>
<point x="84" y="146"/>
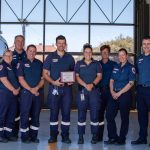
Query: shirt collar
<point x="126" y="64"/>
<point x="23" y="52"/>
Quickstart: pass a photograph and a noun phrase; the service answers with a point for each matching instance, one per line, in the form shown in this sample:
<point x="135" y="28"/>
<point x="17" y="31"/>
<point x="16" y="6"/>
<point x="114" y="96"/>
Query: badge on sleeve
<point x="1" y="67"/>
<point x="133" y="70"/>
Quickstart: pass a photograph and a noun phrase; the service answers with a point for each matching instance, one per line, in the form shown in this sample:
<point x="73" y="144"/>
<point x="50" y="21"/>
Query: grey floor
<point x="44" y="135"/>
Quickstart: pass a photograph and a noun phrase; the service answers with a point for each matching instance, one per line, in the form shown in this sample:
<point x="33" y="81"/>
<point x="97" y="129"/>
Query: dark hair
<point x="31" y="45"/>
<point x="87" y="45"/>
<point x="146" y="38"/>
<point x="60" y="37"/>
<point x="105" y="46"/>
<point x="123" y="50"/>
<point x="19" y="36"/>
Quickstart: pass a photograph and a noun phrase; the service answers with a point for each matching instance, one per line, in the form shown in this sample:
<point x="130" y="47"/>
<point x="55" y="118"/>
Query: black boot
<point x="66" y="139"/>
<point x="81" y="139"/>
<point x="52" y="139"/>
<point x="3" y="140"/>
<point x="139" y="141"/>
<point x="94" y="139"/>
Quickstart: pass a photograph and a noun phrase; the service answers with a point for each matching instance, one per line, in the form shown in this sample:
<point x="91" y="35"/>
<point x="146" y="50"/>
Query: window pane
<point x="8" y="14"/>
<point x="76" y="35"/>
<point x="12" y="10"/>
<point x="112" y="11"/>
<point x="127" y="15"/>
<point x="101" y="11"/>
<point x="9" y="32"/>
<point x="51" y="10"/>
<point x="34" y="35"/>
<point x="36" y="14"/>
<point x="82" y="13"/>
<point x="116" y="36"/>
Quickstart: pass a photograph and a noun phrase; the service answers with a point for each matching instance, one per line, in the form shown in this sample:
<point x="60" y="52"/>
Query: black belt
<point x="144" y="85"/>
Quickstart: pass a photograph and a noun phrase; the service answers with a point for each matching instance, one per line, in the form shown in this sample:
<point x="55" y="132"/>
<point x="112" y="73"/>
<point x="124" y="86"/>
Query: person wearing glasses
<point x="88" y="74"/>
<point x="9" y="89"/>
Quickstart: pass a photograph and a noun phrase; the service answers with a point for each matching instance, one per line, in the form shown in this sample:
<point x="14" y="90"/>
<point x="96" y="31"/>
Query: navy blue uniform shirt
<point x="17" y="58"/>
<point x="143" y="70"/>
<point x="122" y="75"/>
<point x="31" y="71"/>
<point x="56" y="64"/>
<point x="107" y="71"/>
<point x="6" y="70"/>
<point x="88" y="72"/>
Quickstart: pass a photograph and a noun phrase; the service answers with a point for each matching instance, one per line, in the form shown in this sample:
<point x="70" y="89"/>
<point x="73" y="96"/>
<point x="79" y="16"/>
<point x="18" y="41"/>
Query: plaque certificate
<point x="68" y="77"/>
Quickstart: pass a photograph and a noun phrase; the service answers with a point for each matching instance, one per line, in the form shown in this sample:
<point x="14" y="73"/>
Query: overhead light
<point x="148" y="2"/>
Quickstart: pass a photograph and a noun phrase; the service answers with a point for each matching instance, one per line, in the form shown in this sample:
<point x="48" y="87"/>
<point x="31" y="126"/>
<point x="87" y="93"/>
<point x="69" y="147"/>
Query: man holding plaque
<point x="58" y="71"/>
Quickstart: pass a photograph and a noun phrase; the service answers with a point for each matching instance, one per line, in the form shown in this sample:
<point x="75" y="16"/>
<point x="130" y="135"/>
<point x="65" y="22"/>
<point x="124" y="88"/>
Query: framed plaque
<point x="67" y="77"/>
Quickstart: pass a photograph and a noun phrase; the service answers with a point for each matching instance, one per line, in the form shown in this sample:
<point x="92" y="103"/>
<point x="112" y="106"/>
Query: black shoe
<point x="99" y="138"/>
<point x="52" y="139"/>
<point x="26" y="141"/>
<point x="35" y="140"/>
<point x="81" y="139"/>
<point x="12" y="138"/>
<point x="94" y="139"/>
<point x="120" y="142"/>
<point x="139" y="141"/>
<point x="65" y="139"/>
<point x="110" y="141"/>
<point x="3" y="140"/>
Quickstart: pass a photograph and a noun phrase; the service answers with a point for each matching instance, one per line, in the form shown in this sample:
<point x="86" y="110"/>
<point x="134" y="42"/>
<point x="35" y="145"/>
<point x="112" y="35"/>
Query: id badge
<point x="82" y="97"/>
<point x="55" y="92"/>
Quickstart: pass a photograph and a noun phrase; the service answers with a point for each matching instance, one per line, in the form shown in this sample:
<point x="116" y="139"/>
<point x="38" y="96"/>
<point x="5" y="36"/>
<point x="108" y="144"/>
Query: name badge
<point x="54" y="60"/>
<point x="81" y="66"/>
<point x="27" y="65"/>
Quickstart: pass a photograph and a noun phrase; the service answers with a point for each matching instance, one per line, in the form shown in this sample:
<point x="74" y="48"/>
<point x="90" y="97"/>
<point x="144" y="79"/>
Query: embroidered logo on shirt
<point x="54" y="60"/>
<point x="1" y="67"/>
<point x="140" y="60"/>
<point x="115" y="70"/>
<point x="14" y="57"/>
<point x="27" y="65"/>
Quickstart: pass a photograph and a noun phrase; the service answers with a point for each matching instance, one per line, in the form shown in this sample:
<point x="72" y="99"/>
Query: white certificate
<point x="68" y="77"/>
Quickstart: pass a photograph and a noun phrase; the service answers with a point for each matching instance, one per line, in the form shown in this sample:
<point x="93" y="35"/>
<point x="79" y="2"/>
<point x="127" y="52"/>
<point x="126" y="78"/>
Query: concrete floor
<point x="44" y="135"/>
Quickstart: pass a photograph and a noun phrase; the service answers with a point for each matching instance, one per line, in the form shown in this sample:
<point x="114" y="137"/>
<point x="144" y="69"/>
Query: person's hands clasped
<point x="89" y="87"/>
